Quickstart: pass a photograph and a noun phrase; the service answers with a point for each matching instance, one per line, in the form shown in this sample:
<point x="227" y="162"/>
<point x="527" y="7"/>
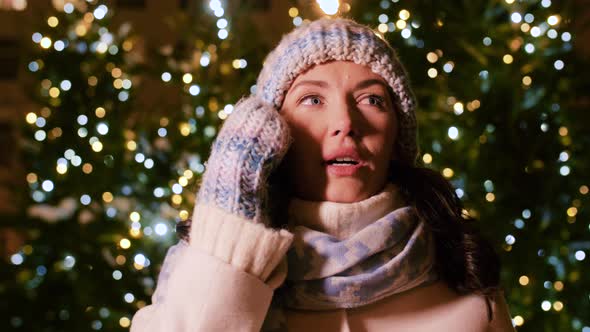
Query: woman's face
<point x="344" y="127"/>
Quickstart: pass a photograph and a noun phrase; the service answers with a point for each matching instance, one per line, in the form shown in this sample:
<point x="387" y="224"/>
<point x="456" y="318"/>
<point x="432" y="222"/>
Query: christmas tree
<point x="112" y="168"/>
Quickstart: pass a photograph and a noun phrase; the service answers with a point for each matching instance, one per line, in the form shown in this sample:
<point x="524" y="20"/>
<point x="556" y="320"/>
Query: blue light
<point x="65" y="85"/>
<point x="37" y="37"/>
<point x="33" y="66"/>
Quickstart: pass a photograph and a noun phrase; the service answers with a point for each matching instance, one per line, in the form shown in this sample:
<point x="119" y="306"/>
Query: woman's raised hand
<point x="250" y="145"/>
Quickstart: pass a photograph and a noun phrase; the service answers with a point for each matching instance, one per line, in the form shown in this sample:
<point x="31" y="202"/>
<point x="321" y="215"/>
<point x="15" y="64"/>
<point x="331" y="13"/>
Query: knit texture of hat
<point x="333" y="39"/>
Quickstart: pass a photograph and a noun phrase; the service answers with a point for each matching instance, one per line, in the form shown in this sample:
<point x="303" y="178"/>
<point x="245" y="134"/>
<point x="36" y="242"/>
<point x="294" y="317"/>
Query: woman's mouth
<point x="343" y="166"/>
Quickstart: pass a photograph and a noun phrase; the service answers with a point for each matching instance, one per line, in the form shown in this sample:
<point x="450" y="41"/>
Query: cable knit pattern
<point x="342" y="39"/>
<point x="251" y="142"/>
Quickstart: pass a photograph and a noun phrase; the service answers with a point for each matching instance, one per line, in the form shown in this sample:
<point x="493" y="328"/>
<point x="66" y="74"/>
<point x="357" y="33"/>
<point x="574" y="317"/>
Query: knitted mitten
<point x="230" y="219"/>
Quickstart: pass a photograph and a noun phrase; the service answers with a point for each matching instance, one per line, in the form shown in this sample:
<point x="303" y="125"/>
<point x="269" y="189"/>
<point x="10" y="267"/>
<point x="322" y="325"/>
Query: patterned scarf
<point x="350" y="255"/>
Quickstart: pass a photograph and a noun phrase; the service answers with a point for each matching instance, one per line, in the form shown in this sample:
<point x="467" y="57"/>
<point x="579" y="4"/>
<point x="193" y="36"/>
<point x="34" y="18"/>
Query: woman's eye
<point x="311" y="100"/>
<point x="375" y="100"/>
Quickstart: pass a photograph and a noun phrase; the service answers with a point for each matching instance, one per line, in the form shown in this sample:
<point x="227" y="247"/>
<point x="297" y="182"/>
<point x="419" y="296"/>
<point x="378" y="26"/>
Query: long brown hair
<point x="465" y="260"/>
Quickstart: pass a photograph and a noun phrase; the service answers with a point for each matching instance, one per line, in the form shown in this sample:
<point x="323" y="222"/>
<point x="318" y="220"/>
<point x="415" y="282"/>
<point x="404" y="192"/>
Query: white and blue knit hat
<point x="329" y="39"/>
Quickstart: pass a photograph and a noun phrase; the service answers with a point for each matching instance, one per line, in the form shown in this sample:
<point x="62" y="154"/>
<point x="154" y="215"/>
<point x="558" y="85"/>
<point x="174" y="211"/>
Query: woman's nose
<point x="342" y="120"/>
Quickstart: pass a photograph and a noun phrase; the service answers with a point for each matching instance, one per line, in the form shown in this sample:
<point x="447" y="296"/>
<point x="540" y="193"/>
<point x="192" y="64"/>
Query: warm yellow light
<point x="527" y="80"/>
<point x="54" y="92"/>
<point x="383" y="28"/>
<point x="118" y="83"/>
<point x="134" y="216"/>
<point x="518" y="320"/>
<point x="432" y="72"/>
<point x="81" y="30"/>
<point x="558" y="285"/>
<point x="56" y="132"/>
<point x="222" y="115"/>
<point x="293" y="12"/>
<point x="183" y="215"/>
<point x="120" y="259"/>
<point x="124" y="322"/>
<point x="87" y="168"/>
<point x="183" y="181"/>
<point x="100" y="112"/>
<point x="225" y="68"/>
<point x="584" y="189"/>
<point x="62" y="168"/>
<point x="138" y="266"/>
<point x="525" y="27"/>
<point x="188" y="174"/>
<point x="97" y="146"/>
<point x="52" y="21"/>
<point x="46" y="84"/>
<point x="131" y="145"/>
<point x="31" y="178"/>
<point x="46" y="112"/>
<point x="507" y="58"/>
<point x="176" y="199"/>
<point x="88" y="18"/>
<point x="116" y="72"/>
<point x="185" y="129"/>
<point x="125" y="243"/>
<point x="557" y="305"/>
<point x="427" y="158"/>
<point x="31" y="118"/>
<point x="92" y="80"/>
<point x="572" y="211"/>
<point x="330" y="7"/>
<point x="458" y="107"/>
<point x="509" y="1"/>
<point x="45" y="42"/>
<point x="27" y="249"/>
<point x="523" y="280"/>
<point x="134" y="232"/>
<point x="213" y="104"/>
<point x="563" y="131"/>
<point x="187" y="78"/>
<point x="490" y="197"/>
<point x="404" y="14"/>
<point x="400" y="24"/>
<point x="107" y="197"/>
<point x="128" y="45"/>
<point x="448" y="173"/>
<point x="432" y="57"/>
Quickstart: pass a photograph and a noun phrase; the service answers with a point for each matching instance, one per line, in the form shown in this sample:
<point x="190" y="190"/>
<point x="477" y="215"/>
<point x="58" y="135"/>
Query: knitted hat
<point x="330" y="39"/>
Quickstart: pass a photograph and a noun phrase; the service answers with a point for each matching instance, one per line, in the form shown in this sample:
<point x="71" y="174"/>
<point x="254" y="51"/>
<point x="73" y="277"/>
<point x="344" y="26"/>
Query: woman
<point x="313" y="215"/>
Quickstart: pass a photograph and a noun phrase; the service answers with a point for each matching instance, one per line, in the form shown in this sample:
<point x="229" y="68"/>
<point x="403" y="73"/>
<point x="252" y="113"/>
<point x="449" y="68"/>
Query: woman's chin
<point x="346" y="192"/>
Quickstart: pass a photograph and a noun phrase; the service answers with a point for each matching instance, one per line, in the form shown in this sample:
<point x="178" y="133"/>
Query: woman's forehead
<point x="336" y="73"/>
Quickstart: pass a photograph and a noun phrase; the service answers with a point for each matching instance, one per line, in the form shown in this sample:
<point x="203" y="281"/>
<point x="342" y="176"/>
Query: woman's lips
<point x="343" y="169"/>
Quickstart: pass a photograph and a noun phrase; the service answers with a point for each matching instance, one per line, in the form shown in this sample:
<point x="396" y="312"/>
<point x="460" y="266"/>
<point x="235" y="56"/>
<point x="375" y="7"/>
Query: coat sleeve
<point x="223" y="280"/>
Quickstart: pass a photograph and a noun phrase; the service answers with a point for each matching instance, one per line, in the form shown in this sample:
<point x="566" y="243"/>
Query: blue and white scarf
<point x="350" y="255"/>
<point x="351" y="263"/>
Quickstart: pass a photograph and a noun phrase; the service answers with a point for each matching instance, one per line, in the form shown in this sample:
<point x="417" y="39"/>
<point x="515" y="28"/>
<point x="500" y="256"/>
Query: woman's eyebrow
<point x="321" y="84"/>
<point x="324" y="84"/>
<point x="369" y="82"/>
